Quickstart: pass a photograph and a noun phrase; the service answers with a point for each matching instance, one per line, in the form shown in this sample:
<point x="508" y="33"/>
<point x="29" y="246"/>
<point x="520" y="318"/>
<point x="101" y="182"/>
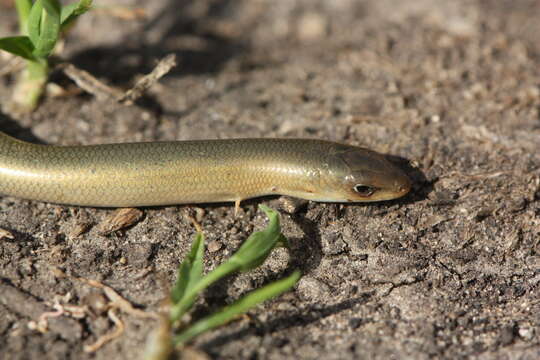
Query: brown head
<point x="355" y="174"/>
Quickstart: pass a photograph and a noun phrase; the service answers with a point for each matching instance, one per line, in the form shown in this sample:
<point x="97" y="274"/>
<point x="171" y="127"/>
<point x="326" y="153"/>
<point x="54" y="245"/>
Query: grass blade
<point x="190" y="270"/>
<point x="18" y="45"/>
<point x="239" y="307"/>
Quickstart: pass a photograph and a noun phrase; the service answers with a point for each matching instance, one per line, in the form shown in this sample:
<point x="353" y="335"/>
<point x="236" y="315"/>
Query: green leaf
<point x="72" y="11"/>
<point x="239" y="307"/>
<point x="190" y="270"/>
<point x="251" y="254"/>
<point x="18" y="45"/>
<point x="23" y="9"/>
<point x="184" y="304"/>
<point x="34" y="21"/>
<point x="259" y="245"/>
<point x="44" y="26"/>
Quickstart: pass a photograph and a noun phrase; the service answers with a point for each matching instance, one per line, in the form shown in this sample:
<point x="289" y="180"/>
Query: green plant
<point x="191" y="282"/>
<point x="40" y="24"/>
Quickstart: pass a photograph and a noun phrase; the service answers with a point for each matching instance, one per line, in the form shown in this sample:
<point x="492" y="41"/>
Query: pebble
<point x="214" y="246"/>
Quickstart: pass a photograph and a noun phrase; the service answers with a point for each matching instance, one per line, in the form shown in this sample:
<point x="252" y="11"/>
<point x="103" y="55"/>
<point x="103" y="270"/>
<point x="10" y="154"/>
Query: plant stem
<point x="30" y="85"/>
<point x="222" y="270"/>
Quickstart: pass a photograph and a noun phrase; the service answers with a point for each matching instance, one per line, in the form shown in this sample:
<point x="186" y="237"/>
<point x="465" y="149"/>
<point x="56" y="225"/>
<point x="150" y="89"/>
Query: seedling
<point x="40" y="24"/>
<point x="191" y="283"/>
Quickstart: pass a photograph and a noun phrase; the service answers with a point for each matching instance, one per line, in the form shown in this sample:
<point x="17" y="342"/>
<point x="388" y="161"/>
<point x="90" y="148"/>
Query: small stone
<point x="507" y="334"/>
<point x="214" y="246"/>
<point x="517" y="204"/>
<point x="355" y="323"/>
<point x="292" y="205"/>
<point x="312" y="26"/>
<point x="97" y="302"/>
<point x="332" y="243"/>
<point x="311" y="288"/>
<point x="526" y="333"/>
<point x="137" y="255"/>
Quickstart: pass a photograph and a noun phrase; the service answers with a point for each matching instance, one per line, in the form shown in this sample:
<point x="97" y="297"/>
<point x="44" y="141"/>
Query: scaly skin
<point x="164" y="173"/>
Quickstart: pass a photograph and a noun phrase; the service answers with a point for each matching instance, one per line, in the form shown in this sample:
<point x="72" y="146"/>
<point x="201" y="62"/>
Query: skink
<point x="199" y="171"/>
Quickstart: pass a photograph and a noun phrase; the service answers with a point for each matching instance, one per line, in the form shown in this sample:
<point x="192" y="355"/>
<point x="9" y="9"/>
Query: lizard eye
<point x="364" y="190"/>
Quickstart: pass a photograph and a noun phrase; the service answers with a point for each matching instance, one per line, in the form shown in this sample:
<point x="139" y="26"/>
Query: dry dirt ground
<point x="450" y="271"/>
